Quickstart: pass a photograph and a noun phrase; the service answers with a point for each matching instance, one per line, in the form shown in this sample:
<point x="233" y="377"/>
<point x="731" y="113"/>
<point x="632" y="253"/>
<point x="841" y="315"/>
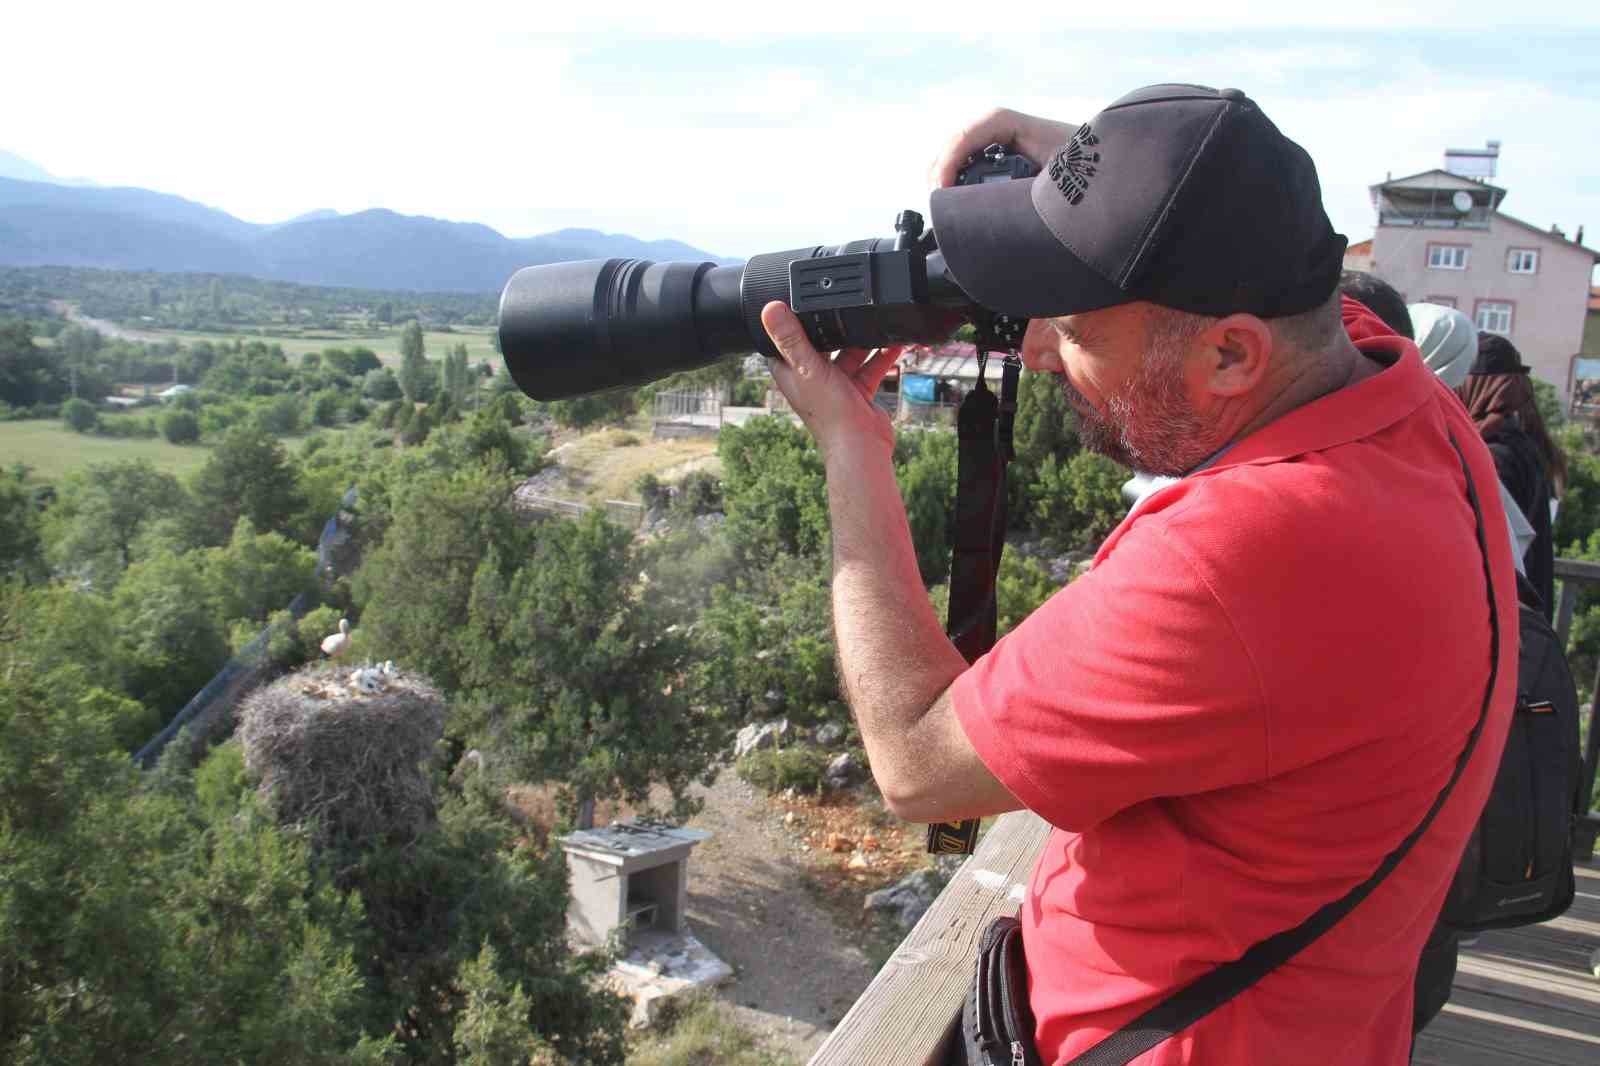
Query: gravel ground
<point x="795" y="971"/>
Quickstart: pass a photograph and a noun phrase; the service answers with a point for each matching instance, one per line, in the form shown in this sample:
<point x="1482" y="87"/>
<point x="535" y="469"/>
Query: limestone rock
<point x="842" y="771"/>
<point x="759" y="735"/>
<point x="909" y="899"/>
<point x="830" y="734"/>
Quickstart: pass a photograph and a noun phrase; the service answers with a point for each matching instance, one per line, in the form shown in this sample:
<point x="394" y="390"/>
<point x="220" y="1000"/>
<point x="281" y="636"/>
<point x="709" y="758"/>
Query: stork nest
<point x="344" y="751"/>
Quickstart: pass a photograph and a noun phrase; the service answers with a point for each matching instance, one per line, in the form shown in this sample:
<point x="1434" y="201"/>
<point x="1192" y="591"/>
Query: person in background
<point x="1498" y="394"/>
<point x="1379" y="297"/>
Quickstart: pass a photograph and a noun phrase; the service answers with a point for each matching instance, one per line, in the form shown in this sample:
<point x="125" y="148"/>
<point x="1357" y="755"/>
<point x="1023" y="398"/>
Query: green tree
<point x="925" y="466"/>
<point x="774" y="490"/>
<point x="415" y="587"/>
<point x="385" y="312"/>
<point x="130" y="930"/>
<point x="381" y="385"/>
<point x="570" y="675"/>
<point x="1077" y="502"/>
<point x="414" y="364"/>
<point x="248" y="474"/>
<point x="455" y="376"/>
<point x="28" y="375"/>
<point x="103" y="511"/>
<point x="180" y="427"/>
<point x="168" y="640"/>
<point x="21" y="548"/>
<point x="325" y="407"/>
<point x="256" y="574"/>
<point x="216" y="296"/>
<point x="80" y="415"/>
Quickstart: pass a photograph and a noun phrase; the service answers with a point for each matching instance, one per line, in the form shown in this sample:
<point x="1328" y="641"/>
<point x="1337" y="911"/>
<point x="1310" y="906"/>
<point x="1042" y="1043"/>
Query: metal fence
<point x="623" y="512"/>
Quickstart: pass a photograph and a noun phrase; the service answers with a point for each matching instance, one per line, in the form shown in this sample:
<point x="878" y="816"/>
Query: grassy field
<point x="52" y="450"/>
<point x="606" y="464"/>
<point x="386" y="344"/>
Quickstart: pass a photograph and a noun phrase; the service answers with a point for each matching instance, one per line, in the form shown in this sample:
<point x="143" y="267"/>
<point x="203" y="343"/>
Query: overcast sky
<point x="750" y="130"/>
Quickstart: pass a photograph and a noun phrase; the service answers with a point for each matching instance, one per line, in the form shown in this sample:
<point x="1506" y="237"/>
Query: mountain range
<point x="46" y="221"/>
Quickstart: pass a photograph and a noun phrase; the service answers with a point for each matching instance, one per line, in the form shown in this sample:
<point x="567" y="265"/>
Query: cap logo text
<point x="1074" y="164"/>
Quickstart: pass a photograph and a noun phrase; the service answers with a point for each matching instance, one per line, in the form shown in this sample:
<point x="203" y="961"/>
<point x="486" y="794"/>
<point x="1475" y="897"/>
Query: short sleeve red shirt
<point x="1253" y="695"/>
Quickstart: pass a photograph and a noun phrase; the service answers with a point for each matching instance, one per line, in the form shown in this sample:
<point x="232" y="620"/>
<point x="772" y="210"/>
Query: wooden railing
<point x="909" y="1013"/>
<point x="1573" y="575"/>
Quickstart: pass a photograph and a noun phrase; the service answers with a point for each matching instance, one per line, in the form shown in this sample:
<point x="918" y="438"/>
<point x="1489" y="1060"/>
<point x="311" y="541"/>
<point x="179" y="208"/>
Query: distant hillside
<point x="46" y="224"/>
<point x="14" y="166"/>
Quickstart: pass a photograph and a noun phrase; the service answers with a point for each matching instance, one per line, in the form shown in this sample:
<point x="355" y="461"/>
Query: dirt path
<point x="795" y="971"/>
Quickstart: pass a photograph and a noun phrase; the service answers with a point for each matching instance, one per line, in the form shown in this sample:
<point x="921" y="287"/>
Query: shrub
<point x="325" y="408"/>
<point x="775" y="769"/>
<point x="80" y="415"/>
<point x="221" y="781"/>
<point x="180" y="427"/>
<point x="1078" y="502"/>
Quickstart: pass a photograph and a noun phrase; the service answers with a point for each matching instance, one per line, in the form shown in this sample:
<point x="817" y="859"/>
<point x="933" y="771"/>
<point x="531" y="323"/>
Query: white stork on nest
<point x="335" y="644"/>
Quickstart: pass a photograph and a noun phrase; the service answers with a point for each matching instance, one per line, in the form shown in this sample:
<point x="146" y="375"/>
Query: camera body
<point x="567" y="329"/>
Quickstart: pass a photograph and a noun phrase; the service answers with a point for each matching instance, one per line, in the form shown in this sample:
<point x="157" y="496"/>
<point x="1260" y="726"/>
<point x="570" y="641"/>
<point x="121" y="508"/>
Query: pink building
<point x="1442" y="238"/>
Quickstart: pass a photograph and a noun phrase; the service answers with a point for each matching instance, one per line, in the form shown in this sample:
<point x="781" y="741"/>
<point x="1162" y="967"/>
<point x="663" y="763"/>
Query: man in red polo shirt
<point x="1271" y="669"/>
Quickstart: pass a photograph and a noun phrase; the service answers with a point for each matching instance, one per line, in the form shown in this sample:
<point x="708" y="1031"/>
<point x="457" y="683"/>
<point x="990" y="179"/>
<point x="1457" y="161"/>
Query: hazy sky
<point x="742" y="127"/>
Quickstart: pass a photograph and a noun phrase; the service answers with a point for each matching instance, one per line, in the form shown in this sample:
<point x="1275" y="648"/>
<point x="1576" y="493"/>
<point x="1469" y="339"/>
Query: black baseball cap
<point x="1182" y="195"/>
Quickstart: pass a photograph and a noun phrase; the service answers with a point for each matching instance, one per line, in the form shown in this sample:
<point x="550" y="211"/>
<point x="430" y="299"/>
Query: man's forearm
<point x="894" y="657"/>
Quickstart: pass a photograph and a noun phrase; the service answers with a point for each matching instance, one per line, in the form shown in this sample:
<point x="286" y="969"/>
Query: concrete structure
<point x="630" y="876"/>
<point x="1442" y="238"/>
<point x="631" y="879"/>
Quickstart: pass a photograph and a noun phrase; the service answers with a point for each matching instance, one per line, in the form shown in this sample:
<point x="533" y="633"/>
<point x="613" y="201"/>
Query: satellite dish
<point x="1462" y="201"/>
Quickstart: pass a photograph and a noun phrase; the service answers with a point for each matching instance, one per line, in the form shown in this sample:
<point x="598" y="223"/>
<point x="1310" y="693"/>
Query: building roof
<point x="1450" y="181"/>
<point x="1594" y="298"/>
<point x="1360" y="248"/>
<point x="1554" y="238"/>
<point x="956" y="360"/>
<point x="175" y="390"/>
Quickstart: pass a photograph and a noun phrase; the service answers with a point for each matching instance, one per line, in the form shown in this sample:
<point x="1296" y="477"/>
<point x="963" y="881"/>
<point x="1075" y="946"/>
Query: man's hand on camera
<point x="1029" y="135"/>
<point x="832" y="397"/>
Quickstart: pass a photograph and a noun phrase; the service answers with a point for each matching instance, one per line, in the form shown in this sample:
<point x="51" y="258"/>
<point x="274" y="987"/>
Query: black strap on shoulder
<point x="1184" y="1008"/>
<point x="984" y="430"/>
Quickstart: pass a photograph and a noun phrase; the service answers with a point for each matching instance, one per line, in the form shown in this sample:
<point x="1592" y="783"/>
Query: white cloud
<point x="735" y="133"/>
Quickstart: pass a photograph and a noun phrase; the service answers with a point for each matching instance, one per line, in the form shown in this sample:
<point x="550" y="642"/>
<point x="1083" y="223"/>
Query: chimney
<point x="1579" y="238"/>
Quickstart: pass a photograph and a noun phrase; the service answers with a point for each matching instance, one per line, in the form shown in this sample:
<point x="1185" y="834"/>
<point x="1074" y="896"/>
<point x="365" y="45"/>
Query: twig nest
<point x="345" y="750"/>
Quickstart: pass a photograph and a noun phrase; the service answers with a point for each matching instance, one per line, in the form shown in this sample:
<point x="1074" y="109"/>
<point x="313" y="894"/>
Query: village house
<point x="1441" y="237"/>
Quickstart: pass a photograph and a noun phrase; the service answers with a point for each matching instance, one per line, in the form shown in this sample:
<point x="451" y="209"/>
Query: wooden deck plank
<point x="910" y="1010"/>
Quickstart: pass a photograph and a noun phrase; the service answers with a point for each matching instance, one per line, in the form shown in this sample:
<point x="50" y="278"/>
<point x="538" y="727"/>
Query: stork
<point x="334" y="644"/>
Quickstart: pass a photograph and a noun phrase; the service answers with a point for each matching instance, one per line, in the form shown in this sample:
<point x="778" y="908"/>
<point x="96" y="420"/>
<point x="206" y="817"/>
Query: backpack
<point x="1517" y="867"/>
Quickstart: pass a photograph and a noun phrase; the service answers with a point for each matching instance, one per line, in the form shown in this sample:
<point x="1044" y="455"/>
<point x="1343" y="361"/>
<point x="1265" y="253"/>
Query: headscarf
<point x="1498" y="393"/>
<point x="1447" y="340"/>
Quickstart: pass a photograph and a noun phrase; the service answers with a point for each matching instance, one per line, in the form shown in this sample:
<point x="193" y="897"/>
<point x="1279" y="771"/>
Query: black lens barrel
<point x="567" y="329"/>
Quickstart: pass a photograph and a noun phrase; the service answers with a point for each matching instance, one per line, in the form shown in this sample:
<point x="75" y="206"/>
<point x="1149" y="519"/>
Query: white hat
<point x="1447" y="339"/>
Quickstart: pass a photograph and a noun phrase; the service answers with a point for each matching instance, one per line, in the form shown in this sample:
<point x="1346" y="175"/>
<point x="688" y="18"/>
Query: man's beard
<point x="1148" y="424"/>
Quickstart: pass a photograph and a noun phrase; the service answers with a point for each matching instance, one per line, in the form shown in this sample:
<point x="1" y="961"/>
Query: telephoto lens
<point x="567" y="329"/>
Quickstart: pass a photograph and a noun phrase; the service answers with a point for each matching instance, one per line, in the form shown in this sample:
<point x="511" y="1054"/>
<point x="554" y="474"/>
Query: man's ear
<point x="1237" y="353"/>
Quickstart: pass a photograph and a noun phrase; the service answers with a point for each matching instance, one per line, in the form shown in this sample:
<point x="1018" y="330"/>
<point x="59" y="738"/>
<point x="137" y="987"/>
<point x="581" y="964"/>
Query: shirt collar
<point x="1350" y="413"/>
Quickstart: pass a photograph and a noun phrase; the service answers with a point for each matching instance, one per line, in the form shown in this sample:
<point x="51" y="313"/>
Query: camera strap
<point x="984" y="427"/>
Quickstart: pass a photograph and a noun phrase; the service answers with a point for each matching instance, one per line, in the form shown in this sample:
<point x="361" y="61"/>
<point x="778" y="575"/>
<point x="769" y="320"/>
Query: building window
<point x="1522" y="261"/>
<point x="1447" y="256"/>
<point x="1494" y="316"/>
<point x="1442" y="301"/>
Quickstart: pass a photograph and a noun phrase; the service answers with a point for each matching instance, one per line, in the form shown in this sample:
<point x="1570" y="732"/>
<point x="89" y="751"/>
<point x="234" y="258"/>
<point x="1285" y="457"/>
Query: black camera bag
<point x="1517" y="867"/>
